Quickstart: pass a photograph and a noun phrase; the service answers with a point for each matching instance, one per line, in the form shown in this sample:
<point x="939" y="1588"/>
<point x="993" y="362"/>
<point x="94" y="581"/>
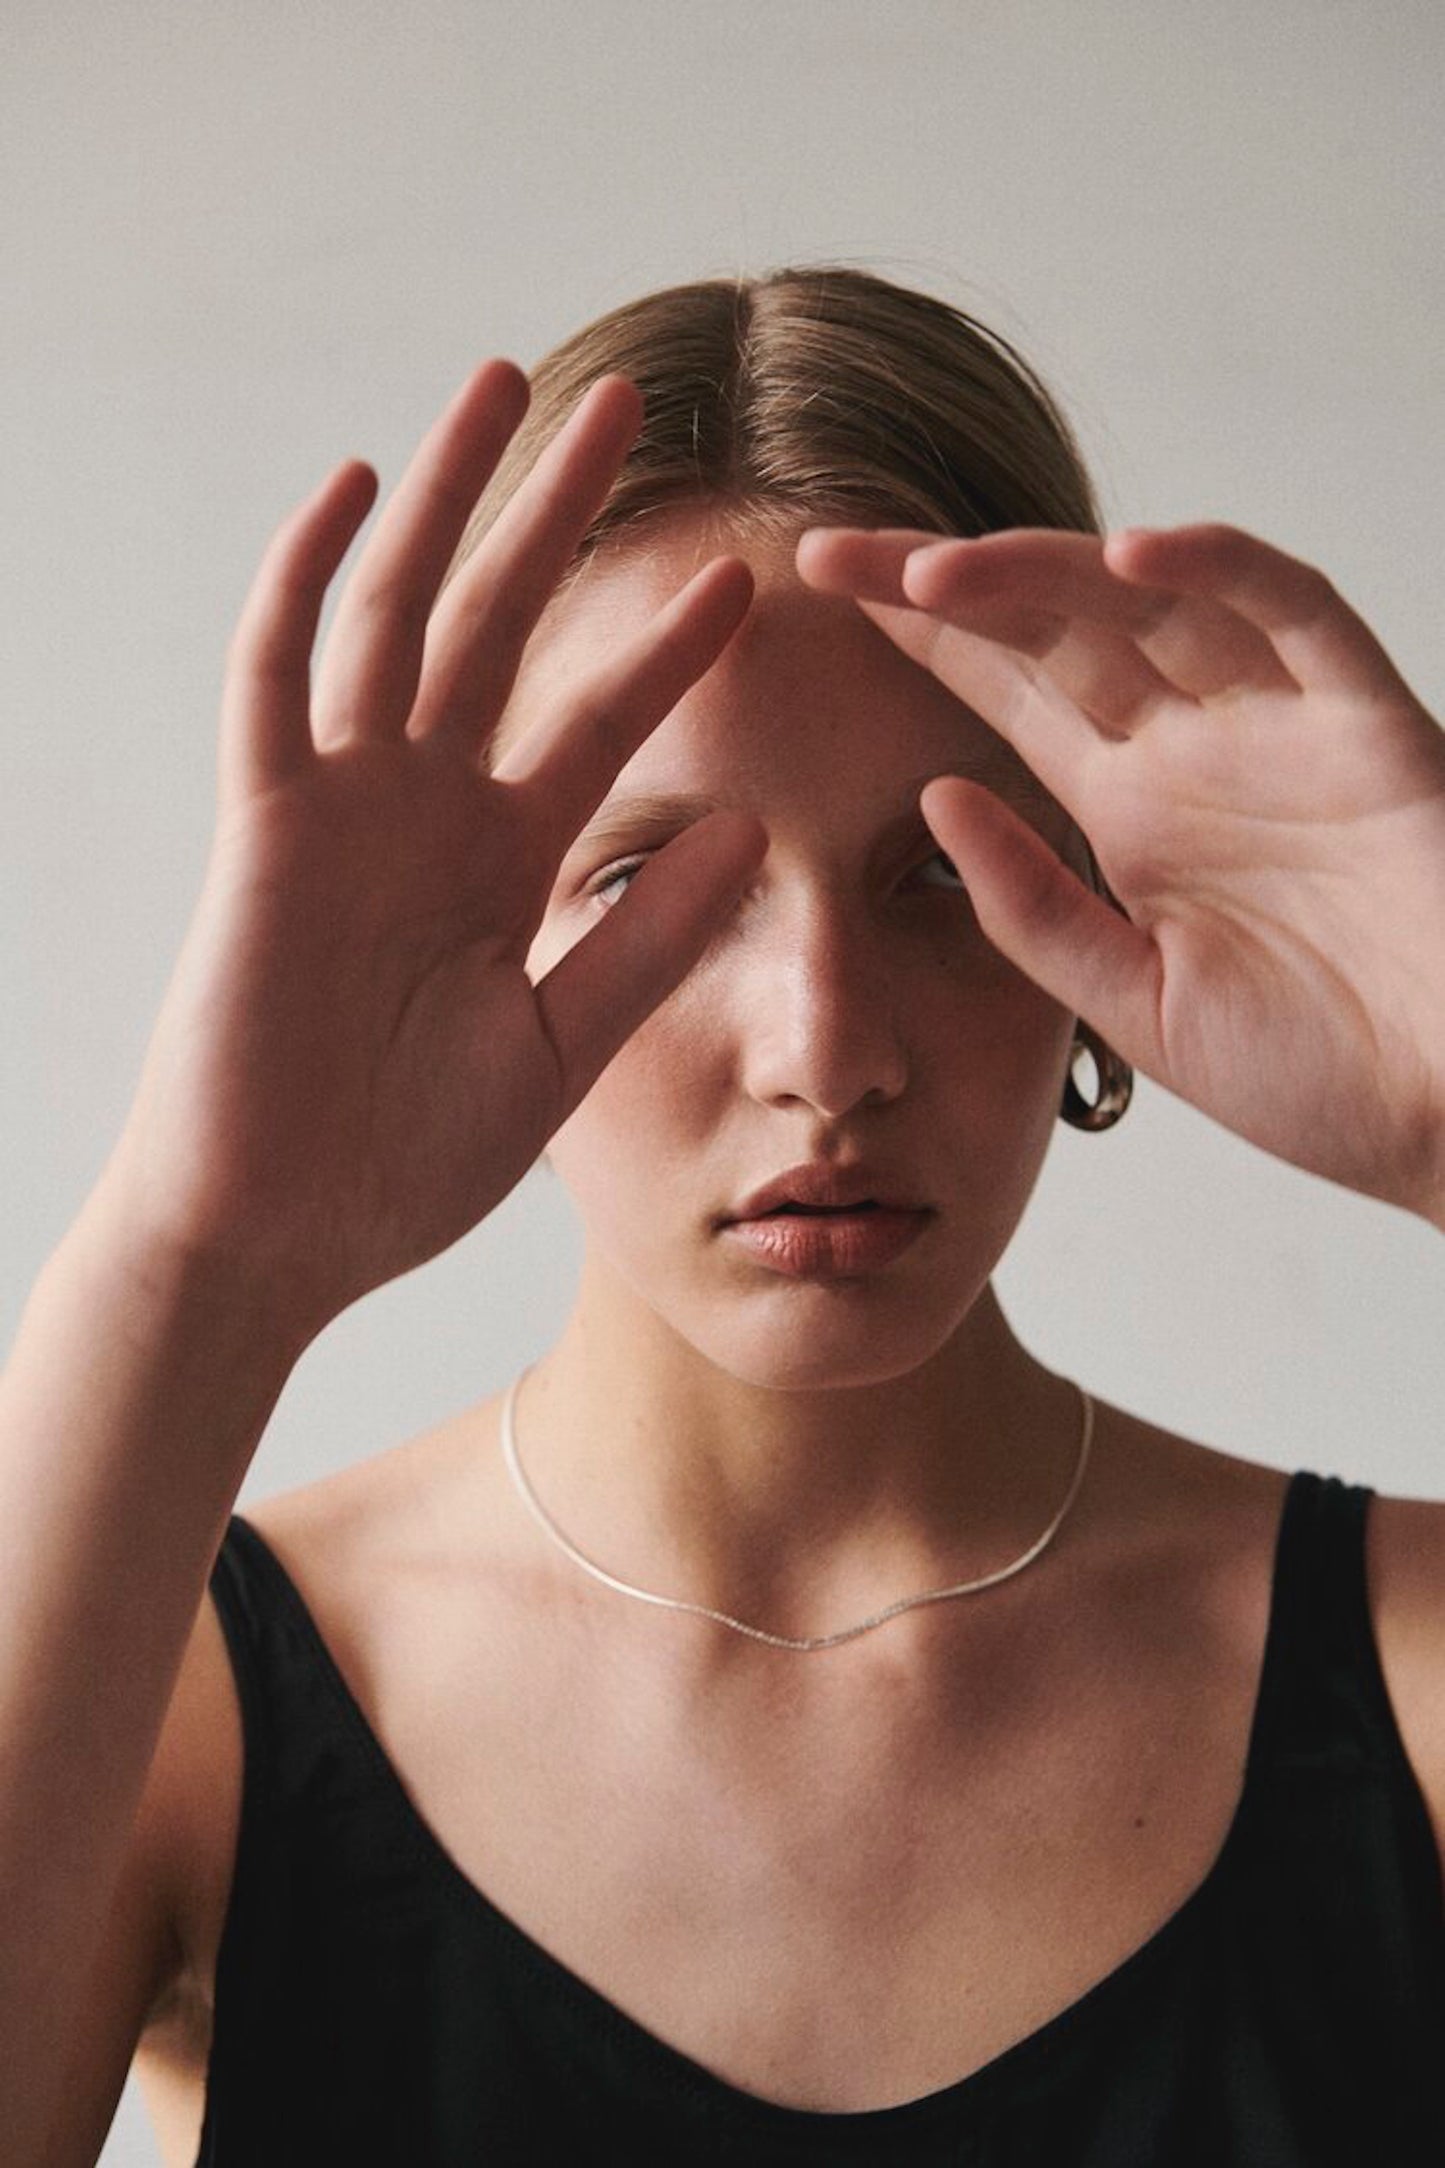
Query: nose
<point x="819" y="1013"/>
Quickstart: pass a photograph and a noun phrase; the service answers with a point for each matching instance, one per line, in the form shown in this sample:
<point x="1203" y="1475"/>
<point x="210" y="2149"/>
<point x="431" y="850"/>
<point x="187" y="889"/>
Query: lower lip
<point x="836" y="1245"/>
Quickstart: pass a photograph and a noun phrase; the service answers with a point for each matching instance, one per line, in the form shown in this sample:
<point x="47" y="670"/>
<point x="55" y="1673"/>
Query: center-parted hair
<point x="814" y="395"/>
<point x="820" y="395"/>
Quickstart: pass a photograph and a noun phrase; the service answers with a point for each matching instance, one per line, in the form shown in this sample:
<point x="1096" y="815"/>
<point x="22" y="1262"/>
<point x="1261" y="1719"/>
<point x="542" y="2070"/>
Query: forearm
<point x="136" y="1392"/>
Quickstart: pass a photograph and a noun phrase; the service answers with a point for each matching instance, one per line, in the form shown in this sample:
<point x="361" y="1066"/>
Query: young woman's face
<point x="850" y="1009"/>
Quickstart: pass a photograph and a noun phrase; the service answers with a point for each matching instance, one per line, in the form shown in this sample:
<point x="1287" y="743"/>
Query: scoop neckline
<point x="719" y="2096"/>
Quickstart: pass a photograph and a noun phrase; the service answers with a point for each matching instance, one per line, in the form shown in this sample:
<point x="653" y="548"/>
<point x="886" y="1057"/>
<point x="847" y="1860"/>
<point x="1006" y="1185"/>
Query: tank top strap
<point x="304" y="1736"/>
<point x="1323" y="1702"/>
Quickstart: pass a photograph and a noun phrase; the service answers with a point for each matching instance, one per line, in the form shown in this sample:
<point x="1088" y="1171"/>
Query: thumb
<point x="1038" y="914"/>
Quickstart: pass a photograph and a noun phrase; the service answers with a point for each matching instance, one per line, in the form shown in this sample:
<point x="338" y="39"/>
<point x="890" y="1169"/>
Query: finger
<point x="566" y="764"/>
<point x="608" y="983"/>
<point x="1121" y="648"/>
<point x="1103" y="674"/>
<point x="1319" y="639"/>
<point x="1107" y="678"/>
<point x="1054" y="929"/>
<point x="481" y="625"/>
<point x="860" y="561"/>
<point x="373" y="654"/>
<point x="1047" y="730"/>
<point x="265" y="704"/>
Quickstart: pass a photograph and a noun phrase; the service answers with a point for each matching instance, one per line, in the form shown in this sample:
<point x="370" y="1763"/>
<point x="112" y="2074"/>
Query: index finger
<point x="866" y="562"/>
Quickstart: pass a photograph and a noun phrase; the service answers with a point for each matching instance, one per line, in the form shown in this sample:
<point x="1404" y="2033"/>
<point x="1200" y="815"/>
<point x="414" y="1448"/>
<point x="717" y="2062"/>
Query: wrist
<point x="173" y="1275"/>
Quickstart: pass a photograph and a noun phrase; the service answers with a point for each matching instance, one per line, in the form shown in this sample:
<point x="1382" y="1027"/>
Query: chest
<point x="835" y="1907"/>
<point x="839" y="1894"/>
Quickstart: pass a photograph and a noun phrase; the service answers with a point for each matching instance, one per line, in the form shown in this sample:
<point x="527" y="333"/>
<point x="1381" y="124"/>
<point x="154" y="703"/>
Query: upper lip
<point x="821" y="1182"/>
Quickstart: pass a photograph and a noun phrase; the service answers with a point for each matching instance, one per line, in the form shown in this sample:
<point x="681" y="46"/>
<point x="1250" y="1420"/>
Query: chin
<point x="819" y="1344"/>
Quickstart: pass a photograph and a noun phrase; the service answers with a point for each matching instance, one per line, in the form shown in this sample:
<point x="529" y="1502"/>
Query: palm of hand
<point x="352" y="1066"/>
<point x="1263" y="794"/>
<point x="375" y="914"/>
<point x="1280" y="858"/>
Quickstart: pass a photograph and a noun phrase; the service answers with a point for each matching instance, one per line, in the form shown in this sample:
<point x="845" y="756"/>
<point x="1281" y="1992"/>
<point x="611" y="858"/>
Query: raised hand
<point x="1263" y="793"/>
<point x="351" y="1066"/>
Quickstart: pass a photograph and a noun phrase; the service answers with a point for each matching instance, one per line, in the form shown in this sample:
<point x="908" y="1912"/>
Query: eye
<point x="610" y="876"/>
<point x="940" y="858"/>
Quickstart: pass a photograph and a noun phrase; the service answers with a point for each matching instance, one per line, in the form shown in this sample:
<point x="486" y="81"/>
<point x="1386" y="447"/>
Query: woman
<point x="790" y="1722"/>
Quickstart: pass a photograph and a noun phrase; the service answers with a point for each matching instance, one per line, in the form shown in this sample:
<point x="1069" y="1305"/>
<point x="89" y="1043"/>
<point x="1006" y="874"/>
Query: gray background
<point x="241" y="244"/>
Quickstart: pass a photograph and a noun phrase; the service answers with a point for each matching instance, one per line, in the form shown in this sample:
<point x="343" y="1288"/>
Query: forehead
<point x="809" y="688"/>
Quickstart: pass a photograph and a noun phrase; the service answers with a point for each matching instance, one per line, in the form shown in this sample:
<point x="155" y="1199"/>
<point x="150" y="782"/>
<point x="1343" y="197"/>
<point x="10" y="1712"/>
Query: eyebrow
<point x="649" y="813"/>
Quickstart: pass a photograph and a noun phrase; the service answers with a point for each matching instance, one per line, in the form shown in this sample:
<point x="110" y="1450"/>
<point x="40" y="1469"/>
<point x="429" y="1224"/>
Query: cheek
<point x="990" y="1051"/>
<point x="647" y="1116"/>
<point x="985" y="1046"/>
<point x="550" y="944"/>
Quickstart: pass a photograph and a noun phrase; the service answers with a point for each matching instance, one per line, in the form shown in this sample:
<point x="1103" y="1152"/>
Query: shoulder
<point x="361" y="1544"/>
<point x="192" y="1808"/>
<point x="1225" y="1512"/>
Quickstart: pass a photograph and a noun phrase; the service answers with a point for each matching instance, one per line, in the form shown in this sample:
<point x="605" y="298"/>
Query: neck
<point x="799" y="1507"/>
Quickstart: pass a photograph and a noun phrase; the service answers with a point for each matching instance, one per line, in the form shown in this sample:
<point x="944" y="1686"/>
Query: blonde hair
<point x="818" y="394"/>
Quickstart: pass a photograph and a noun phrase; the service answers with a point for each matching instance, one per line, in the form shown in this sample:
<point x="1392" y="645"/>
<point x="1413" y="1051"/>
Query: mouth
<point x="824" y="1190"/>
<point x="821" y="1211"/>
<point x="850" y="1242"/>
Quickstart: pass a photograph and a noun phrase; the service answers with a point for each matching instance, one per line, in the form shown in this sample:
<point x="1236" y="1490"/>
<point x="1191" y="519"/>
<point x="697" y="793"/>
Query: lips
<point x="820" y="1187"/>
<point x="826" y="1245"/>
<point x="869" y="1204"/>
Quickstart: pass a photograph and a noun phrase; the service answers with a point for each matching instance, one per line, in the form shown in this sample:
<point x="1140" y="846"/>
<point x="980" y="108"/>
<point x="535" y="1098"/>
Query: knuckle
<point x="503" y="623"/>
<point x="259" y="650"/>
<point x="1226" y="547"/>
<point x="392" y="613"/>
<point x="602" y="726"/>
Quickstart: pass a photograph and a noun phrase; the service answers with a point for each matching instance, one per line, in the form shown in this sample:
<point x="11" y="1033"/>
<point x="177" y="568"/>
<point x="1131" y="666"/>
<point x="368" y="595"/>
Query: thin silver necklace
<point x="756" y="1633"/>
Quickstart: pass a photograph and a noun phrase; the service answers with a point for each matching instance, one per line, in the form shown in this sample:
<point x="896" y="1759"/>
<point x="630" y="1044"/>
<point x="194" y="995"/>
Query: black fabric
<point x="373" y="2006"/>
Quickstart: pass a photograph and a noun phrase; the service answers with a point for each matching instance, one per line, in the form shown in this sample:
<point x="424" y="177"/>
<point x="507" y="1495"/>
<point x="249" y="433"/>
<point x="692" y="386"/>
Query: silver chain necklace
<point x="756" y="1633"/>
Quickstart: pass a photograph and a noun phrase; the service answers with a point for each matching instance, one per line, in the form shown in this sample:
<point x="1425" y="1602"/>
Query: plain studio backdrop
<point x="243" y="244"/>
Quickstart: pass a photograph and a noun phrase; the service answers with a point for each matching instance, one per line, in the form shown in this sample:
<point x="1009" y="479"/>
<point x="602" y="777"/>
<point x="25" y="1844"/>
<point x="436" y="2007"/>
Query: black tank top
<point x="373" y="2006"/>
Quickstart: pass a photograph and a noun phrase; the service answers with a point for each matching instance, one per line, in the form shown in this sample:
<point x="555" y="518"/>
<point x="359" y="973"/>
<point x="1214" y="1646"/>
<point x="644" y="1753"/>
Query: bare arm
<point x="351" y="1067"/>
<point x="136" y="1392"/>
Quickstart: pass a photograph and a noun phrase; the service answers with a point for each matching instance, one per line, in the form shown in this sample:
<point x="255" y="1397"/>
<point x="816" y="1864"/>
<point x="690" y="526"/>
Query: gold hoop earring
<point x="1116" y="1083"/>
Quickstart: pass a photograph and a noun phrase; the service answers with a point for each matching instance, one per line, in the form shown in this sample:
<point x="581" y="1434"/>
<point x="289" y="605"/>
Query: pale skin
<point x="391" y="1000"/>
<point x="799" y="1452"/>
<point x="371" y="893"/>
<point x="1298" y="1009"/>
<point x="1279" y="841"/>
<point x="1264" y="794"/>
